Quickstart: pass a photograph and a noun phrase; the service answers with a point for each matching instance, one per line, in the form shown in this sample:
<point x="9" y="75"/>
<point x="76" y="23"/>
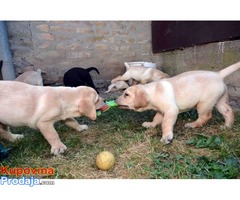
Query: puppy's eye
<point x="126" y="95"/>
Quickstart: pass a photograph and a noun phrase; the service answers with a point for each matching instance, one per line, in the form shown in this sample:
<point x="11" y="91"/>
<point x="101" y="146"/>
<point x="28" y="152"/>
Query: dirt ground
<point x="234" y="102"/>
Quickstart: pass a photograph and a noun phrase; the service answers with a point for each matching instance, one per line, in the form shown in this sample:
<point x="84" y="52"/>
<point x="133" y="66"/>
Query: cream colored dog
<point x="39" y="107"/>
<point x="169" y="97"/>
<point x="31" y="77"/>
<point x="141" y="74"/>
<point x="118" y="85"/>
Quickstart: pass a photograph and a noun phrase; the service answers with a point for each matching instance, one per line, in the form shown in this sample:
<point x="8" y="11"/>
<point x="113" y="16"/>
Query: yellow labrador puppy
<point x="118" y="85"/>
<point x="141" y="74"/>
<point x="31" y="77"/>
<point x="200" y="89"/>
<point x="39" y="107"/>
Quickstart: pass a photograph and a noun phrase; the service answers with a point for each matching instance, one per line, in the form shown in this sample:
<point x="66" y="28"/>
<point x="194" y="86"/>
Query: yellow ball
<point x="105" y="160"/>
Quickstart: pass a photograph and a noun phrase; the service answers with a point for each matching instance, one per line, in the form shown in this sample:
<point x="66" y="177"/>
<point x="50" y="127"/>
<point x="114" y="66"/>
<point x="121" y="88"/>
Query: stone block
<point x="43" y="27"/>
<point x="84" y="30"/>
<point x="50" y="56"/>
<point x="81" y="54"/>
<point x="100" y="46"/>
<point x="44" y="36"/>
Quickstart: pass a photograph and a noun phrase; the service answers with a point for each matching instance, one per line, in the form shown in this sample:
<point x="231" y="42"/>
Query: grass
<point x="206" y="152"/>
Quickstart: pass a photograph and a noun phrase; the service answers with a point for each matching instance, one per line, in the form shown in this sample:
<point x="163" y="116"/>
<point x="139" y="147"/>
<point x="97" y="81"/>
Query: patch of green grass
<point x="215" y="168"/>
<point x="168" y="165"/>
<point x="205" y="152"/>
<point x="202" y="141"/>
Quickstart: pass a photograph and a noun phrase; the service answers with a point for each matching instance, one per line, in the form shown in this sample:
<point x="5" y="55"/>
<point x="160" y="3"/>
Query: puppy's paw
<point x="15" y="137"/>
<point x="83" y="127"/>
<point x="166" y="139"/>
<point x="148" y="124"/>
<point x="226" y="126"/>
<point x="190" y="125"/>
<point x="57" y="149"/>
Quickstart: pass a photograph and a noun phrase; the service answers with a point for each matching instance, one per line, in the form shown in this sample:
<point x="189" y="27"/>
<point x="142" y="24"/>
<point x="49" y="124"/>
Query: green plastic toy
<point x="108" y="104"/>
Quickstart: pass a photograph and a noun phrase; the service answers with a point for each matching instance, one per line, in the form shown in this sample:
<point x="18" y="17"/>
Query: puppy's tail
<point x="229" y="70"/>
<point x="92" y="68"/>
<point x="126" y="65"/>
<point x="110" y="87"/>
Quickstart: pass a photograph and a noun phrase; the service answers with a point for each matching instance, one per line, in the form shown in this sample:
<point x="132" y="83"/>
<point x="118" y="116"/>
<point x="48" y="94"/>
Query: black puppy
<point x="79" y="77"/>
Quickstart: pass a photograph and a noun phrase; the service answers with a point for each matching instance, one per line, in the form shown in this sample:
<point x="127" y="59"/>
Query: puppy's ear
<point x="140" y="100"/>
<point x="87" y="108"/>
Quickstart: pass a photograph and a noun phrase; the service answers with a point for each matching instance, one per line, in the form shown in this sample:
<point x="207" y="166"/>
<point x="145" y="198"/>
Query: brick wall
<point x="56" y="46"/>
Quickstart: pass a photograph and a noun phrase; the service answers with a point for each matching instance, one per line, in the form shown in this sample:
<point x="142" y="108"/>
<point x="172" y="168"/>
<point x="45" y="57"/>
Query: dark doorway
<point x="170" y="35"/>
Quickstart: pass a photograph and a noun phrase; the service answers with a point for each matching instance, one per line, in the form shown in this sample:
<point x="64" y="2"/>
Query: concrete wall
<point x="212" y="56"/>
<point x="56" y="46"/>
